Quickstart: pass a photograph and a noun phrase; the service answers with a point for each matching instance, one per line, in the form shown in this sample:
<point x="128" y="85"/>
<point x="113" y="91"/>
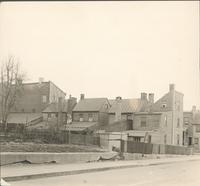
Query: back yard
<point x="36" y="147"/>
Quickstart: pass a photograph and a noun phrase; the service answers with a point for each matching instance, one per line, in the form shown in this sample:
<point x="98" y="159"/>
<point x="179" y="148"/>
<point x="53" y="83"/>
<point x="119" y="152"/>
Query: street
<point x="176" y="174"/>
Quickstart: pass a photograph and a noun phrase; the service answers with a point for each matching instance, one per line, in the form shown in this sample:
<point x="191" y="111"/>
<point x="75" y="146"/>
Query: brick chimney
<point x="143" y="96"/>
<point x="194" y="110"/>
<point x="41" y="80"/>
<point x="71" y="103"/>
<point x="82" y="96"/>
<point x="118" y="108"/>
<point x="151" y="97"/>
<point x="171" y="87"/>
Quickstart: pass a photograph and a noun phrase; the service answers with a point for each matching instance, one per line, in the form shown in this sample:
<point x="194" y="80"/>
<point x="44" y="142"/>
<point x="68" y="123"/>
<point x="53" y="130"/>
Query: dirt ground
<point x="35" y="147"/>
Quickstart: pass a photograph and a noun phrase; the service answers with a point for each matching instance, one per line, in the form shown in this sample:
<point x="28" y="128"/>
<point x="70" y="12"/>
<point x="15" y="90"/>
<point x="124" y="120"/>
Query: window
<point x="106" y="106"/>
<point x="56" y="115"/>
<point x="80" y="117"/>
<point x="143" y="122"/>
<point x="49" y="115"/>
<point x="164" y="105"/>
<point x="129" y="117"/>
<point x="165" y="139"/>
<point x="165" y="120"/>
<point x="178" y="107"/>
<point x="44" y="99"/>
<point x="186" y="120"/>
<point x="197" y="128"/>
<point x="178" y="139"/>
<point x="90" y="117"/>
<point x="136" y="139"/>
<point x="33" y="110"/>
<point x="196" y="141"/>
<point x="178" y="122"/>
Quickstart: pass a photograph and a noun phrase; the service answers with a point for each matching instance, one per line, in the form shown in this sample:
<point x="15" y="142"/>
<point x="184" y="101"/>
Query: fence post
<point x="69" y="136"/>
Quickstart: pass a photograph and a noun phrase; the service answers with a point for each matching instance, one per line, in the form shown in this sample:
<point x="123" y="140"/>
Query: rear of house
<point x="90" y="111"/>
<point x="35" y="97"/>
<point x="160" y="122"/>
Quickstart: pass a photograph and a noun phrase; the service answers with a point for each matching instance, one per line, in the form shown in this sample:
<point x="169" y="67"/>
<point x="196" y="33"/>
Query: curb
<point x="74" y="172"/>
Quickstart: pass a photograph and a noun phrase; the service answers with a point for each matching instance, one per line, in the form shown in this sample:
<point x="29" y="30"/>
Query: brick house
<point x="192" y="128"/>
<point x="65" y="107"/>
<point x="89" y="112"/>
<point x="160" y="122"/>
<point x="35" y="97"/>
<point x="171" y="108"/>
<point x="124" y="109"/>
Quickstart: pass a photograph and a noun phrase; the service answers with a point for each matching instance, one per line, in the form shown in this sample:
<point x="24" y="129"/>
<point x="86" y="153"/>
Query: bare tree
<point x="10" y="87"/>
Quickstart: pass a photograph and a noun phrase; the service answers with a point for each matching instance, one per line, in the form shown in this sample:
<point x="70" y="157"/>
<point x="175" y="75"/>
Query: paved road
<point x="176" y="174"/>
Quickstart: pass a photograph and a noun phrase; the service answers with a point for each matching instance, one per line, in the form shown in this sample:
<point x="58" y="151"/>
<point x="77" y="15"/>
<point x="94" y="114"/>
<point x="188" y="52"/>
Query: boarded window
<point x="165" y="120"/>
<point x="178" y="122"/>
<point x="44" y="99"/>
<point x="90" y="117"/>
<point x="143" y="122"/>
<point x="129" y="117"/>
<point x="80" y="117"/>
<point x="137" y="139"/>
<point x="196" y="141"/>
<point x="178" y="139"/>
<point x="186" y="120"/>
<point x="197" y="128"/>
<point x="165" y="139"/>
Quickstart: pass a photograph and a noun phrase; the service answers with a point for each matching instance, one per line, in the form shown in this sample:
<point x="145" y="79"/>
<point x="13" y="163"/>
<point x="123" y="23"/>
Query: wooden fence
<point x="148" y="148"/>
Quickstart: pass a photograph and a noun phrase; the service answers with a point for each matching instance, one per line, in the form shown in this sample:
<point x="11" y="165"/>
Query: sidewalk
<point x="33" y="171"/>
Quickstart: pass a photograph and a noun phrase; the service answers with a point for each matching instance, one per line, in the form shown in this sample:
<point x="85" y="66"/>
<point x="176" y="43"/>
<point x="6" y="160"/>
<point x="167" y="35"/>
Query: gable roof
<point x="67" y="106"/>
<point x="81" y="126"/>
<point x="166" y="98"/>
<point x="53" y="107"/>
<point x="23" y="118"/>
<point x="130" y="106"/>
<point x="90" y="104"/>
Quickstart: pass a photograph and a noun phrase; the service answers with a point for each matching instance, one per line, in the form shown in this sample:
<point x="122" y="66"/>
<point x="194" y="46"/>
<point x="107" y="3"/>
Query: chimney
<point x="143" y="96"/>
<point x="118" y="98"/>
<point x="118" y="108"/>
<point x="151" y="97"/>
<point x="193" y="111"/>
<point x="194" y="108"/>
<point x="41" y="79"/>
<point x="82" y="96"/>
<point x="71" y="103"/>
<point x="19" y="81"/>
<point x="171" y="87"/>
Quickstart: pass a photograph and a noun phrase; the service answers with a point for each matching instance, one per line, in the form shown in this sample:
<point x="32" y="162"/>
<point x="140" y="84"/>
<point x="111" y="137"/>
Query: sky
<point x="106" y="49"/>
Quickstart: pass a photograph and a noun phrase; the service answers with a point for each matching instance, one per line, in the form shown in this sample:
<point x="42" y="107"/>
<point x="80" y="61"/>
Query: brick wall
<point x="34" y="98"/>
<point x="152" y="121"/>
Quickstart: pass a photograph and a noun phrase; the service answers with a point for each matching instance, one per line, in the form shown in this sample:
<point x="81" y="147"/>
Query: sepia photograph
<point x="99" y="93"/>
